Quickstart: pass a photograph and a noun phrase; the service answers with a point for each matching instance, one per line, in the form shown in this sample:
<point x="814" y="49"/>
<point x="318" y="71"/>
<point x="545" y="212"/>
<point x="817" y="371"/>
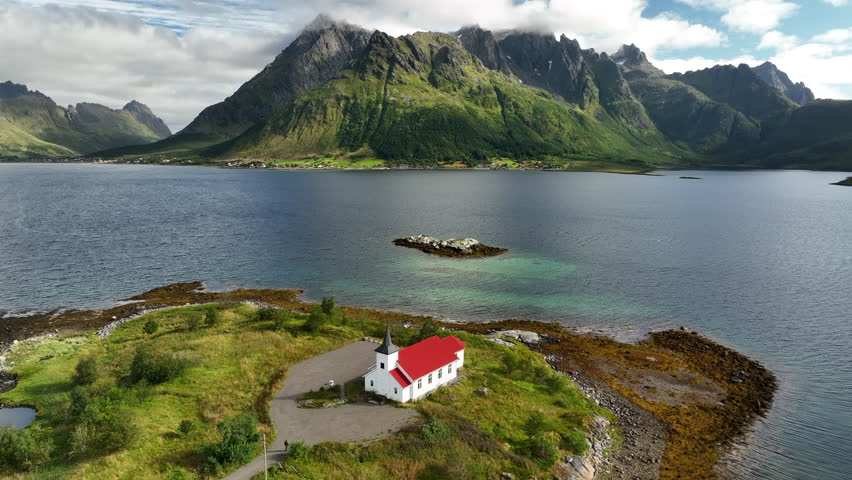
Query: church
<point x="407" y="374"/>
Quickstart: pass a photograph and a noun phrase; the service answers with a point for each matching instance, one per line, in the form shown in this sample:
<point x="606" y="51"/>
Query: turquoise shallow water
<point x="761" y="261"/>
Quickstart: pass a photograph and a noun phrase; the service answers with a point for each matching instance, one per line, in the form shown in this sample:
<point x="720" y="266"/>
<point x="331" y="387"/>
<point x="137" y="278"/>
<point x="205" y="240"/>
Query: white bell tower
<point x="387" y="353"/>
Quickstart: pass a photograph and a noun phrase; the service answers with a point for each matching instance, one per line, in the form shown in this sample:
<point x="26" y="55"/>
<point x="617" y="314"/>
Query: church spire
<point x="387" y="347"/>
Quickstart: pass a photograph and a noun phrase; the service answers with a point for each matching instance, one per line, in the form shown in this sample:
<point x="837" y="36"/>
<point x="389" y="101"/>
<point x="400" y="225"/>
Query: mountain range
<point x="33" y="125"/>
<point x="477" y="96"/>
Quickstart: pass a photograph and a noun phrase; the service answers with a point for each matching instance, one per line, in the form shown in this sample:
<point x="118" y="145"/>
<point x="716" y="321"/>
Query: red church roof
<point x="428" y="355"/>
<point x="400" y="378"/>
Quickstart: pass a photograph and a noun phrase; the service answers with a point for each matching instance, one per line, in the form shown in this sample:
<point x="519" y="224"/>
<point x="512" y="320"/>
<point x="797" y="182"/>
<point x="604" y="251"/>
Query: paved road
<point x="347" y="423"/>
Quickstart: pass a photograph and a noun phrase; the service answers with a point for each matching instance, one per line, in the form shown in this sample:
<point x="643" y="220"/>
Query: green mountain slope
<point x="474" y="96"/>
<point x="422" y="99"/>
<point x="739" y="87"/>
<point x="816" y="135"/>
<point x="773" y="77"/>
<point x="687" y="116"/>
<point x="32" y="125"/>
<point x="15" y="142"/>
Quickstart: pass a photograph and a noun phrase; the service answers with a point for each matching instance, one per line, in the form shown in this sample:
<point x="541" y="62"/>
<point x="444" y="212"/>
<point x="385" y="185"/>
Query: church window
<point x="383" y="365"/>
<point x="440" y="373"/>
<point x="430" y="378"/>
<point x="394" y="390"/>
<point x="450" y="368"/>
<point x="371" y="383"/>
<point x="420" y="383"/>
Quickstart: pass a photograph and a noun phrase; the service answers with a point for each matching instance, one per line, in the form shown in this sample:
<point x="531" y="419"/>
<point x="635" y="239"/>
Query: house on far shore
<point x="412" y="372"/>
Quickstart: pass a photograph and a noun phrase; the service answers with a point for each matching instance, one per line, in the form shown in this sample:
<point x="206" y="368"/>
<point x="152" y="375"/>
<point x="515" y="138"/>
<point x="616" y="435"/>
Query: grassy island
<point x="164" y="394"/>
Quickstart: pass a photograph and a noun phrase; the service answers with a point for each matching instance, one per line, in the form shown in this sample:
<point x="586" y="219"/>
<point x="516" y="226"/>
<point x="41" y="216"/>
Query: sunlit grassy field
<point x="236" y="363"/>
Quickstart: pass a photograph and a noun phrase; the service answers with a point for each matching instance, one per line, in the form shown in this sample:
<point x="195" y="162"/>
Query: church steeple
<point x="387" y="347"/>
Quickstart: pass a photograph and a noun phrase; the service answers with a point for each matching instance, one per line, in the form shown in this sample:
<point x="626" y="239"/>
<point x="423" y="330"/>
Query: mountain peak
<point x="634" y="63"/>
<point x="482" y="44"/>
<point x="10" y="90"/>
<point x="630" y="55"/>
<point x="769" y="73"/>
<point x="134" y="106"/>
<point x="144" y="115"/>
<point x="324" y="21"/>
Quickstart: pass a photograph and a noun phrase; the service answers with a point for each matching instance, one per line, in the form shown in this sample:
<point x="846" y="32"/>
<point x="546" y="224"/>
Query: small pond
<point x="18" y="417"/>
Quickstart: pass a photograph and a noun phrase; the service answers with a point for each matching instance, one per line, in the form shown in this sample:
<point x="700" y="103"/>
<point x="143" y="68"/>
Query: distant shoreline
<point x="651" y="172"/>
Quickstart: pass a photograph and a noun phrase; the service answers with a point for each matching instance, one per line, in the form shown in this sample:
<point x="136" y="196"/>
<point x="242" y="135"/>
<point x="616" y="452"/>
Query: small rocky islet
<point x="454" y="247"/>
<point x="845" y="183"/>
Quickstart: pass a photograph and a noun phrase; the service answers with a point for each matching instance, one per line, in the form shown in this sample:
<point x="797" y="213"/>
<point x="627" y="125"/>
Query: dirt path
<point x="347" y="423"/>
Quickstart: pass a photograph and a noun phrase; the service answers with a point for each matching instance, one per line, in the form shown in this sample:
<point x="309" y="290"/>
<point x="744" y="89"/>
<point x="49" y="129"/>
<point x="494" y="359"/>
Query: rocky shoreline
<point x="681" y="398"/>
<point x="643" y="438"/>
<point x="456" y="247"/>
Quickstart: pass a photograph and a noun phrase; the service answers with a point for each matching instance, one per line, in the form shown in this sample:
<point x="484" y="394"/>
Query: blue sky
<point x="178" y="56"/>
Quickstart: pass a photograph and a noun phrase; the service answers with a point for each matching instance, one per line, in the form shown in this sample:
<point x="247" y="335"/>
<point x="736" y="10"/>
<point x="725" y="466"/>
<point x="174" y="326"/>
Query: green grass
<point x="487" y="433"/>
<point x="235" y="364"/>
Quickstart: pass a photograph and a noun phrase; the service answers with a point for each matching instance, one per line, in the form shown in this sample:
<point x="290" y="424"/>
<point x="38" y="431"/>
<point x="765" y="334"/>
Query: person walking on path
<point x="286" y="445"/>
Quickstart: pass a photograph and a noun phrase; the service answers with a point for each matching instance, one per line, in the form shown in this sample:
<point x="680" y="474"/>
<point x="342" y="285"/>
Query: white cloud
<point x="681" y="65"/>
<point x="839" y="35"/>
<point x="603" y="24"/>
<point x="837" y="3"/>
<point x="824" y="63"/>
<point x="777" y="41"/>
<point x="825" y="68"/>
<point x="79" y="54"/>
<point x="753" y="16"/>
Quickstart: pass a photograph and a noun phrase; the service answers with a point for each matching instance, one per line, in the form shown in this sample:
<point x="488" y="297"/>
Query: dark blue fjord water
<point x="761" y="261"/>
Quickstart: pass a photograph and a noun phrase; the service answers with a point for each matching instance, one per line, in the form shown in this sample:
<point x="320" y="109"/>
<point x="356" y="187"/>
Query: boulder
<point x="454" y="247"/>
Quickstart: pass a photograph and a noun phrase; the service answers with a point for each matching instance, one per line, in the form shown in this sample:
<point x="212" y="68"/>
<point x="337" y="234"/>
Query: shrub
<point x="211" y="317"/>
<point x="80" y="400"/>
<point x="178" y="473"/>
<point x="266" y="314"/>
<point x="282" y="319"/>
<point x="156" y="368"/>
<point x="435" y="431"/>
<point x="542" y="451"/>
<point x="187" y="426"/>
<point x="575" y="442"/>
<point x="238" y="445"/>
<point x="151" y="326"/>
<point x="298" y="451"/>
<point x="279" y="318"/>
<point x="104" y="427"/>
<point x="428" y="329"/>
<point x="327" y="306"/>
<point x="316" y="319"/>
<point x="535" y="425"/>
<point x="26" y="448"/>
<point x="86" y="371"/>
<point x="556" y="383"/>
<point x="515" y="363"/>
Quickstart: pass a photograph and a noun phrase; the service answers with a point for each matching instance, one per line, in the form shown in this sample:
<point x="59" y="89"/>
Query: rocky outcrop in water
<point x="454" y="247"/>
<point x="845" y="183"/>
